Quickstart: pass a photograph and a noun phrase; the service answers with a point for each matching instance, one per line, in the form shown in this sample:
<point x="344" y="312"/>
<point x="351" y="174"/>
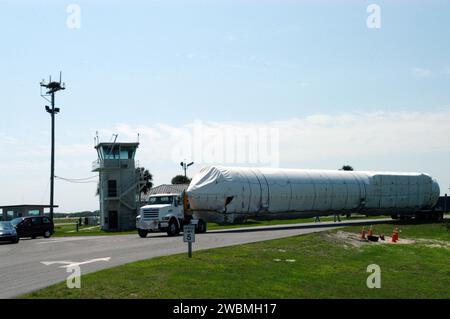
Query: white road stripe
<point x="70" y="264"/>
<point x="63" y="240"/>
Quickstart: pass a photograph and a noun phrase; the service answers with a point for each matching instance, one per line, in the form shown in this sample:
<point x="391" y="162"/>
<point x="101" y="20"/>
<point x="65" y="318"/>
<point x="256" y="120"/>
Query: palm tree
<point x="146" y="177"/>
<point x="180" y="179"/>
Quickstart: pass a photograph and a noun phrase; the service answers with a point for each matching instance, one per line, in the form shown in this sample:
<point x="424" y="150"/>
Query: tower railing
<point x="101" y="164"/>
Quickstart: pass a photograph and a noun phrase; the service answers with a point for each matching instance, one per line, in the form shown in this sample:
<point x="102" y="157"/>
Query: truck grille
<point x="151" y="214"/>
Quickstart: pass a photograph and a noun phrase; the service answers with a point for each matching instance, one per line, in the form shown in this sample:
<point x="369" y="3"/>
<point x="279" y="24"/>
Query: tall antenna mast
<point x="51" y="87"/>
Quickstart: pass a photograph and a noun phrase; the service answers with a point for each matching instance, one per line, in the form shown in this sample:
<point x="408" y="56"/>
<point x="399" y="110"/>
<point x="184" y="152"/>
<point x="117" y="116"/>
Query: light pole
<point x="185" y="166"/>
<point x="52" y="88"/>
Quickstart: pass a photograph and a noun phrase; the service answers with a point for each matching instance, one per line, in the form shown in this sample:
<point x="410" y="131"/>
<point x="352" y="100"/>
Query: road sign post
<point x="189" y="237"/>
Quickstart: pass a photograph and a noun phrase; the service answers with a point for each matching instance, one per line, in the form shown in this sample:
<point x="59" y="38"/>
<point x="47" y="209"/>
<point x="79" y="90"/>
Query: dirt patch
<point x="433" y="243"/>
<point x="349" y="240"/>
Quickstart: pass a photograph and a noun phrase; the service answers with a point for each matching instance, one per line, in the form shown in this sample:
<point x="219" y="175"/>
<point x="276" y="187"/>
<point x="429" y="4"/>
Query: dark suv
<point x="33" y="226"/>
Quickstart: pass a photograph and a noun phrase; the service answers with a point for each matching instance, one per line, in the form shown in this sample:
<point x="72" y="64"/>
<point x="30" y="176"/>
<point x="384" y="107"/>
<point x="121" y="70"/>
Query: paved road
<point x="22" y="270"/>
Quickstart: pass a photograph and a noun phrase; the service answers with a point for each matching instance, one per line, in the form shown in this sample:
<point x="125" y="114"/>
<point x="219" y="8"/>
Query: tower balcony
<point x="112" y="164"/>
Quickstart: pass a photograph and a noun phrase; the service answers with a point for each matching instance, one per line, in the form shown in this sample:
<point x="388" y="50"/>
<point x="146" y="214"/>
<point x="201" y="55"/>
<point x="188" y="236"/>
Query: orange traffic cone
<point x="395" y="235"/>
<point x="363" y="233"/>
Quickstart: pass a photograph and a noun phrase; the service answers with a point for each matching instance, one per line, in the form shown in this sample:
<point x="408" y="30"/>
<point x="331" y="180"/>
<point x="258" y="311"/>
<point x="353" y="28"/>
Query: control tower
<point x="118" y="185"/>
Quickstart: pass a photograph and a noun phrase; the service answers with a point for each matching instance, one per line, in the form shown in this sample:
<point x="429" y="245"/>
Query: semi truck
<point x="167" y="213"/>
<point x="232" y="194"/>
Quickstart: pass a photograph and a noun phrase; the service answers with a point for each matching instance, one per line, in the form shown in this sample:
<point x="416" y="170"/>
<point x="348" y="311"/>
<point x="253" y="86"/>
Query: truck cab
<point x="162" y="210"/>
<point x="165" y="213"/>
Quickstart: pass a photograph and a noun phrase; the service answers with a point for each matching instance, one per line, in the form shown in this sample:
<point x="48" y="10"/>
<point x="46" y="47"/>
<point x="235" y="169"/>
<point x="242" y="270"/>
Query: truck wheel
<point x="201" y="226"/>
<point x="47" y="234"/>
<point x="142" y="233"/>
<point x="173" y="228"/>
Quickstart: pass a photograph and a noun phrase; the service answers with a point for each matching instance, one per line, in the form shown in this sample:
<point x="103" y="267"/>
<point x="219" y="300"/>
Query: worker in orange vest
<point x="395" y="235"/>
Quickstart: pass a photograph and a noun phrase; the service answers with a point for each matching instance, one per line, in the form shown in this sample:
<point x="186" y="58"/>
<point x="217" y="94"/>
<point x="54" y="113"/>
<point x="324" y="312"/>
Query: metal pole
<point x="445" y="203"/>
<point x="52" y="88"/>
<point x="190" y="249"/>
<point x="52" y="168"/>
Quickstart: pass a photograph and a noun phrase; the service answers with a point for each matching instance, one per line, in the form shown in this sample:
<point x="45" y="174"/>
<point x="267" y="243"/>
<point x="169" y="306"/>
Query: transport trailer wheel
<point x="47" y="234"/>
<point x="422" y="216"/>
<point x="142" y="233"/>
<point x="173" y="229"/>
<point x="201" y="226"/>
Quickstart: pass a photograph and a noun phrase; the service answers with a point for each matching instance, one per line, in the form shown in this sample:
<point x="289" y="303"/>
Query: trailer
<point x="233" y="194"/>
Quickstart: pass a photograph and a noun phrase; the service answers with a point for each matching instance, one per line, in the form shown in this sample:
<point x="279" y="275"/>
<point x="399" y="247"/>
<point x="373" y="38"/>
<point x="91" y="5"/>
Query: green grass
<point x="323" y="268"/>
<point x="69" y="229"/>
<point x="409" y="230"/>
<point x="66" y="227"/>
<point x="253" y="223"/>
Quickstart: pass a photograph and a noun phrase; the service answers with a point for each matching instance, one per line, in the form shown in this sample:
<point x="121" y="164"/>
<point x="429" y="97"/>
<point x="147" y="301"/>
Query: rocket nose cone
<point x="203" y="181"/>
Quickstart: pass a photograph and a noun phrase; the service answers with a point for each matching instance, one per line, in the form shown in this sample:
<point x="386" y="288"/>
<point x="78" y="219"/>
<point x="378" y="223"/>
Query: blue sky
<point x="140" y="65"/>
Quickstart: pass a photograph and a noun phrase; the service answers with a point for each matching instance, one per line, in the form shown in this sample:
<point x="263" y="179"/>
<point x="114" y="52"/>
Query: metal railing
<point x="110" y="164"/>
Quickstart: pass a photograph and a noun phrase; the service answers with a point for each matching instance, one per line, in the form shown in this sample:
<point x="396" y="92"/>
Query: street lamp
<point x="185" y="166"/>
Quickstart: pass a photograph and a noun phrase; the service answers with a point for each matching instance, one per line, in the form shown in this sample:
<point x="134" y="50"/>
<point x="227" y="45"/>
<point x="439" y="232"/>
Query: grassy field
<point x="253" y="223"/>
<point x="66" y="227"/>
<point x="70" y="228"/>
<point x="312" y="266"/>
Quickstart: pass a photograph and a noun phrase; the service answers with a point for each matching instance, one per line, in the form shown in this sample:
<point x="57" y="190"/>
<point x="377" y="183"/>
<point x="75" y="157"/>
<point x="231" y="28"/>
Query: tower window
<point x="112" y="188"/>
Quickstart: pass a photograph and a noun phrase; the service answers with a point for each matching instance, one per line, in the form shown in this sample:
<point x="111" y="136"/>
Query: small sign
<point x="189" y="234"/>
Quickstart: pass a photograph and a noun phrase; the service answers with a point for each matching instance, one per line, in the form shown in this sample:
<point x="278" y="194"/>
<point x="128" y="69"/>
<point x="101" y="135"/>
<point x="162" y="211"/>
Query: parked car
<point x="8" y="233"/>
<point x="33" y="226"/>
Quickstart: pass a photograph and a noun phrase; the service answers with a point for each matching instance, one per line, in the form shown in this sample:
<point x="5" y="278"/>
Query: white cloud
<point x="312" y="137"/>
<point x="230" y="37"/>
<point x="354" y="135"/>
<point x="303" y="83"/>
<point x="7" y="140"/>
<point x="423" y="73"/>
<point x="417" y="141"/>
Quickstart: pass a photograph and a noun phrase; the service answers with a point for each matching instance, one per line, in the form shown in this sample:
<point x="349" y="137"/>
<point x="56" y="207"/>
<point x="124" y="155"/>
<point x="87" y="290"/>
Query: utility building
<point x="118" y="185"/>
<point x="13" y="211"/>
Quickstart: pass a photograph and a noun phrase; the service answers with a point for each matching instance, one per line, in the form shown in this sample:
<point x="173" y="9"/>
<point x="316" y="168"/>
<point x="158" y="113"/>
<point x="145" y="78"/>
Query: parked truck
<point x="232" y="194"/>
<point x="167" y="213"/>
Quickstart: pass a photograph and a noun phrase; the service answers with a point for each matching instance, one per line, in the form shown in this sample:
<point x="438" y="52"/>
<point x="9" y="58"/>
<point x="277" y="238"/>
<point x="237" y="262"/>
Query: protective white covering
<point x="235" y="192"/>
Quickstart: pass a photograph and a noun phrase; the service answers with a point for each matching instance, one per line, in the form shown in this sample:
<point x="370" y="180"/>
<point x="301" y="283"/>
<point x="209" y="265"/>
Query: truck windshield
<point x="160" y="200"/>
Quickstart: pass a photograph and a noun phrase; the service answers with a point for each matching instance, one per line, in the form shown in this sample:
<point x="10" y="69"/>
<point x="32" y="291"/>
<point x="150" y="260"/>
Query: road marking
<point x="63" y="240"/>
<point x="71" y="264"/>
